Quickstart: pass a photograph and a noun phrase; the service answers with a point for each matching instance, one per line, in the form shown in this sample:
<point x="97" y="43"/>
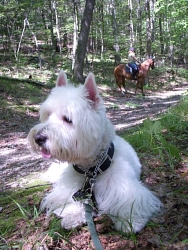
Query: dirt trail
<point x="130" y="110"/>
<point x="18" y="167"/>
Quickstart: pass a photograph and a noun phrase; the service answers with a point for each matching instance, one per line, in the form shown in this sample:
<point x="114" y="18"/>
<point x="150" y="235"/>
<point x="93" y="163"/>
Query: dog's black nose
<point x="40" y="139"/>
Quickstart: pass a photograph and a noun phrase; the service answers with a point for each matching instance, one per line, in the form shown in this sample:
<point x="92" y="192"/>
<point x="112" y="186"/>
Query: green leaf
<point x="174" y="151"/>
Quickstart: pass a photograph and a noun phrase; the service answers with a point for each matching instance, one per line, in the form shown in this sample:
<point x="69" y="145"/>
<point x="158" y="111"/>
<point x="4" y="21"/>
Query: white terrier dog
<point x="103" y="168"/>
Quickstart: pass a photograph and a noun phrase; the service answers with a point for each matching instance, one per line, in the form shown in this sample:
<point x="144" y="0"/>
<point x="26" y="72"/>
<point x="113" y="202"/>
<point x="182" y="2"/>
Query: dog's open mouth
<point x="45" y="153"/>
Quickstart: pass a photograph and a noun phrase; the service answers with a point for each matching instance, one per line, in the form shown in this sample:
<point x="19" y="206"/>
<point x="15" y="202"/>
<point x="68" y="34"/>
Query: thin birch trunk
<point x="132" y="39"/>
<point x="51" y="29"/>
<point x="21" y="37"/>
<point x="75" y="34"/>
<point x="57" y="28"/>
<point x="148" y="28"/>
<point x="115" y="33"/>
<point x="37" y="46"/>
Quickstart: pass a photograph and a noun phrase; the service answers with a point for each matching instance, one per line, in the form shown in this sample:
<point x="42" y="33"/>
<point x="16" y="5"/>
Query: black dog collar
<point x="104" y="166"/>
<point x="86" y="193"/>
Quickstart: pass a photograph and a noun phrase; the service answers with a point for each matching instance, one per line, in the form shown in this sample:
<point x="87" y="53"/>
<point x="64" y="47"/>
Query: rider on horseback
<point x="132" y="62"/>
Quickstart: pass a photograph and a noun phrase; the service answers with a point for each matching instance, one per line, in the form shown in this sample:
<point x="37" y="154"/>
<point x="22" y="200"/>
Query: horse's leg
<point x="123" y="83"/>
<point x="141" y="86"/>
<point x="119" y="83"/>
<point x="121" y="90"/>
<point x="137" y="84"/>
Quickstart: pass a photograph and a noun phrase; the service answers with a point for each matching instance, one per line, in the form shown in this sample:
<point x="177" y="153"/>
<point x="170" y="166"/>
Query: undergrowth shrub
<point x="157" y="136"/>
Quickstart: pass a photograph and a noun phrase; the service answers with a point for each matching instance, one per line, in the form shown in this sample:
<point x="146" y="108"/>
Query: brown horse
<point x="120" y="75"/>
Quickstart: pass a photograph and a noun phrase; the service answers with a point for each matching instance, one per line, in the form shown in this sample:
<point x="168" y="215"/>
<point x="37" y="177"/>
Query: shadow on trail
<point x="129" y="112"/>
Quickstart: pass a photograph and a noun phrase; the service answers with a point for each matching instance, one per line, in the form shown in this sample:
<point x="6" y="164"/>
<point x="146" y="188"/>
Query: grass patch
<point x="21" y="219"/>
<point x="163" y="136"/>
<point x="12" y="201"/>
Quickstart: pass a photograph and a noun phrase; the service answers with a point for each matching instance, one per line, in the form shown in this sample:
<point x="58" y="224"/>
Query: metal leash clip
<point x="86" y="191"/>
<point x="92" y="182"/>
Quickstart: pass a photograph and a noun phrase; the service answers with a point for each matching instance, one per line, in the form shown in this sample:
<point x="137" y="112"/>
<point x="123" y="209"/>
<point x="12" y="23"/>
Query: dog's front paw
<point x="73" y="221"/>
<point x="72" y="215"/>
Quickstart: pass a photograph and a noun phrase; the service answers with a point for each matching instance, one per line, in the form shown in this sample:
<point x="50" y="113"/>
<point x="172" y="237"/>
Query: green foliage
<point x="106" y="29"/>
<point x="158" y="137"/>
<point x="16" y="204"/>
<point x="28" y="212"/>
<point x="182" y="73"/>
<point x="150" y="137"/>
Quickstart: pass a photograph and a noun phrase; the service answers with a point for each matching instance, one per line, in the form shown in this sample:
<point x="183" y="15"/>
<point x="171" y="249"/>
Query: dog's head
<point x="73" y="124"/>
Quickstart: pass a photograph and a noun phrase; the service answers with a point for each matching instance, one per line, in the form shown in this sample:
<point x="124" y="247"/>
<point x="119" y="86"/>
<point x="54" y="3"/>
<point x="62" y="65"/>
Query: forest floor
<point x="20" y="169"/>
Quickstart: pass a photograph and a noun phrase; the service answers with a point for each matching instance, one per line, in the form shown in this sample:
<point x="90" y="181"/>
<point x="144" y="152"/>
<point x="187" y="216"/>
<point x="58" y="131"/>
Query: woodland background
<point x="46" y="31"/>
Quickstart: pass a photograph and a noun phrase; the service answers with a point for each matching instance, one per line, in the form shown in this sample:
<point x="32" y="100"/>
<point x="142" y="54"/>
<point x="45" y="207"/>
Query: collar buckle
<point x="86" y="193"/>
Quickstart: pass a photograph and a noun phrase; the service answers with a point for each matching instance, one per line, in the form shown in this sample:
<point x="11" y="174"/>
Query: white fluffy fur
<point x="74" y="123"/>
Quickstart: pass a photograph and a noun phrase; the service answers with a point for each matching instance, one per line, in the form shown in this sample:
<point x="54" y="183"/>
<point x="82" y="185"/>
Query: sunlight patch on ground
<point x="169" y="94"/>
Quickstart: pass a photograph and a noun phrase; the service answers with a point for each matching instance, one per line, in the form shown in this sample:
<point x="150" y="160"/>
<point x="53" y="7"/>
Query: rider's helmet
<point x="132" y="49"/>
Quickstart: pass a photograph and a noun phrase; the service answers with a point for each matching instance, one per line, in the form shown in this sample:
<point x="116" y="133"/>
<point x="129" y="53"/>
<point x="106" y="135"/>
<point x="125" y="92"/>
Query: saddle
<point x="130" y="70"/>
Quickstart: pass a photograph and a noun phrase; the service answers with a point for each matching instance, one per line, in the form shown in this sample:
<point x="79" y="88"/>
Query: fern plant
<point x="150" y="138"/>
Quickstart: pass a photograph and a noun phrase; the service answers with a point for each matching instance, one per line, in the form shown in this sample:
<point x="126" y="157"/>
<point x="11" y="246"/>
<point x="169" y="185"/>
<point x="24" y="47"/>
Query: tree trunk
<point x="102" y="29"/>
<point x="51" y="30"/>
<point x="82" y="40"/>
<point x="58" y="41"/>
<point x="37" y="46"/>
<point x="75" y="34"/>
<point x="19" y="44"/>
<point x="161" y="36"/>
<point x="132" y="39"/>
<point x="115" y="33"/>
<point x="148" y="28"/>
<point x="153" y="31"/>
<point x="139" y="29"/>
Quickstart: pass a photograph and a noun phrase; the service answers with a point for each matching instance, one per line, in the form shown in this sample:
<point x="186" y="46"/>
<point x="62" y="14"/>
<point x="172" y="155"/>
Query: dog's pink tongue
<point x="45" y="153"/>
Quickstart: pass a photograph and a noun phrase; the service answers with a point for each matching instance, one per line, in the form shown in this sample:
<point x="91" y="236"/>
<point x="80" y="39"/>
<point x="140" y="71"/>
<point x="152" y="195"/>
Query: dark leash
<point x="86" y="193"/>
<point x="91" y="227"/>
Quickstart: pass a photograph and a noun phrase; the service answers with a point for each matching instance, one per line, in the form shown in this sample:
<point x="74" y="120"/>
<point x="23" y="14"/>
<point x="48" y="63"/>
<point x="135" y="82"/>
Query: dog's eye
<point x="66" y="119"/>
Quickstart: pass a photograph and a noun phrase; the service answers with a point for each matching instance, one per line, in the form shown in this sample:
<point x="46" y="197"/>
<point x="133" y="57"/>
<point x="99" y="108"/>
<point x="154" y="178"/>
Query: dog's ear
<point x="91" y="87"/>
<point x="61" y="79"/>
